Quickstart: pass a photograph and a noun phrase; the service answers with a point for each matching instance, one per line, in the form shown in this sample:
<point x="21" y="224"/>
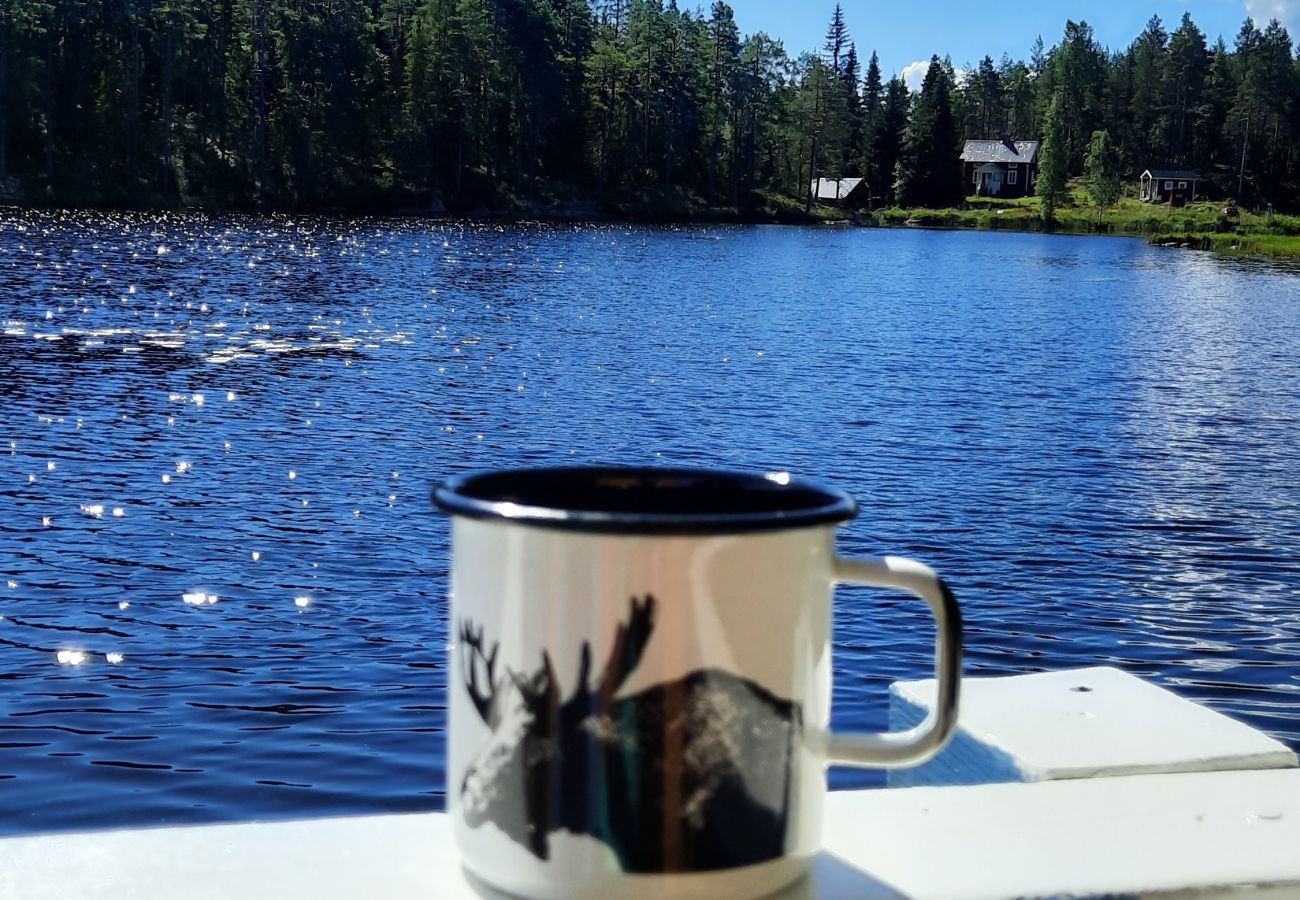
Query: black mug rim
<point x="721" y="502"/>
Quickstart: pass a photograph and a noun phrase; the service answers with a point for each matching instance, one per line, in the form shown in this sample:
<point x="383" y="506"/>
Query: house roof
<point x="1184" y="174"/>
<point x="834" y="188"/>
<point x="1000" y="152"/>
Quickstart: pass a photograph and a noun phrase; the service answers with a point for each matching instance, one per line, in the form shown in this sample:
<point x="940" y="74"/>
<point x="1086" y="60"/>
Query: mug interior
<point x="644" y="500"/>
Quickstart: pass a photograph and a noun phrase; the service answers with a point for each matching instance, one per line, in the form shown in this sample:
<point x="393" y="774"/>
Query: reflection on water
<point x="223" y="588"/>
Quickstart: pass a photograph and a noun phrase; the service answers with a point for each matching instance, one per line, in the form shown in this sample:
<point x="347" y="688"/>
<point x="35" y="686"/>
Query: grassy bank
<point x="1286" y="246"/>
<point x="1201" y="225"/>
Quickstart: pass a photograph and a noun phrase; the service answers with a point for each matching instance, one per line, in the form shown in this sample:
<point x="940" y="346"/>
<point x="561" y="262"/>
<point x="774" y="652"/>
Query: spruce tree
<point x="837" y="39"/>
<point x="853" y="113"/>
<point x="872" y="113"/>
<point x="1053" y="161"/>
<point x="929" y="170"/>
<point x="364" y="103"/>
<point x="887" y="149"/>
<point x="1101" y="172"/>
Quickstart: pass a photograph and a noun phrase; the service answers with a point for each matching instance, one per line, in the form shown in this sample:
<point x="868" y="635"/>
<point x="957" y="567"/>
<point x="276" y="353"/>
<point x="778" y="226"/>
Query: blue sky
<point x="904" y="32"/>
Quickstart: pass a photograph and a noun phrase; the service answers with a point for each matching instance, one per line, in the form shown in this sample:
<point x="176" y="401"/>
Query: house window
<point x="1182" y="185"/>
<point x="1011" y="177"/>
<point x="1169" y="185"/>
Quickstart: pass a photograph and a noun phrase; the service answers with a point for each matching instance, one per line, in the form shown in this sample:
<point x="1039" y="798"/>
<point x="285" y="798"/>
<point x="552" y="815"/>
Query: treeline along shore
<point x="629" y="108"/>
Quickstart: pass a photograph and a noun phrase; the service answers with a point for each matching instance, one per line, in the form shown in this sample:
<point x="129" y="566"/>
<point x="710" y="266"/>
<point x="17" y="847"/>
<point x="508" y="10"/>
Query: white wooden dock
<point x="1233" y="829"/>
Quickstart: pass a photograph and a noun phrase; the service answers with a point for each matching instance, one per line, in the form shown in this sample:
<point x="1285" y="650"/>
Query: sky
<point x="907" y="32"/>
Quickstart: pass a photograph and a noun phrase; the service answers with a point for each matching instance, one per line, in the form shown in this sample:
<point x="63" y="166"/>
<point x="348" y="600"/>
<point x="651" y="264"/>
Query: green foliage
<point x="1200" y="225"/>
<point x="887" y="145"/>
<point x="632" y="104"/>
<point x="1101" y="171"/>
<point x="986" y="111"/>
<point x="929" y="170"/>
<point x="1053" y="159"/>
<point x="1074" y="78"/>
<point x="1244" y="244"/>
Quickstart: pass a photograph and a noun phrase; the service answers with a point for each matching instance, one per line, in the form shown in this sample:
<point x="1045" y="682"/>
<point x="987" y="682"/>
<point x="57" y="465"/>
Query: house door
<point x="990" y="183"/>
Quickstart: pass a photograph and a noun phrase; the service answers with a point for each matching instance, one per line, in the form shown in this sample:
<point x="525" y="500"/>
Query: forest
<point x="624" y="105"/>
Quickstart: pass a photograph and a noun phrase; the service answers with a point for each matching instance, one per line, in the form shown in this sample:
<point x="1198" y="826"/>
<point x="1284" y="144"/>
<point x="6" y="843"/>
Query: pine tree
<point x="1184" y="86"/>
<point x="1037" y="58"/>
<point x="836" y="96"/>
<point x="1248" y="112"/>
<point x="984" y="108"/>
<point x="1278" y="86"/>
<point x="1148" y="59"/>
<point x="1021" y="109"/>
<point x="724" y="37"/>
<point x="21" y="21"/>
<point x="1213" y="149"/>
<point x="1076" y="74"/>
<point x="280" y="103"/>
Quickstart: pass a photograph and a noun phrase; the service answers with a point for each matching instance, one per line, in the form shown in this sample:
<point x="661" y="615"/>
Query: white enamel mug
<point x="641" y="678"/>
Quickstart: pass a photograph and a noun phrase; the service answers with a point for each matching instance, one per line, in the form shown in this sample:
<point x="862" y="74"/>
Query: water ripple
<point x="1095" y="440"/>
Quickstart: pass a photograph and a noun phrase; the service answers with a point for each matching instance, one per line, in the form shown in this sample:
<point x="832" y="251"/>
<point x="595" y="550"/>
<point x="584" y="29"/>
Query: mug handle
<point x="916" y="745"/>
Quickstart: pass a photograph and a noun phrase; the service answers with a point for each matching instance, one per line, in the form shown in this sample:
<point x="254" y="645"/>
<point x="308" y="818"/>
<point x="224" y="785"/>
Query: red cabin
<point x="1004" y="168"/>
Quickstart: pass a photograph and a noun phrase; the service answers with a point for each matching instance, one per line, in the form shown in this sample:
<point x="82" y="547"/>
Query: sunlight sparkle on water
<point x="1192" y="395"/>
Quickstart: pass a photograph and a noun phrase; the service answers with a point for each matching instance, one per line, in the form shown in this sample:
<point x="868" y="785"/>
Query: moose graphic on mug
<point x="693" y="774"/>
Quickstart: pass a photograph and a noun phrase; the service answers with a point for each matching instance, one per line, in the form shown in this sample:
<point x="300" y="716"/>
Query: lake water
<point x="1098" y="442"/>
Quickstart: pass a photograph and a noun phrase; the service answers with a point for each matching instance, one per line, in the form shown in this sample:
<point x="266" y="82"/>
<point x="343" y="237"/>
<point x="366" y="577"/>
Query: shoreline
<point x="1202" y="226"/>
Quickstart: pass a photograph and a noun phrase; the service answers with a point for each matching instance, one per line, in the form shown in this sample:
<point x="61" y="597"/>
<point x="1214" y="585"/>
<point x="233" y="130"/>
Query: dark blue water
<point x="1098" y="443"/>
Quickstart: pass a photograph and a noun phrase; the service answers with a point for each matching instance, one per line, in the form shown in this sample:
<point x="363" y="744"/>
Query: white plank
<point x="1078" y="723"/>
<point x="1150" y="833"/>
<point x="1143" y="834"/>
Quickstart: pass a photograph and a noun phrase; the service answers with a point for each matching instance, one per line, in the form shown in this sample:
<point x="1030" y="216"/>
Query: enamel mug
<point x="641" y="678"/>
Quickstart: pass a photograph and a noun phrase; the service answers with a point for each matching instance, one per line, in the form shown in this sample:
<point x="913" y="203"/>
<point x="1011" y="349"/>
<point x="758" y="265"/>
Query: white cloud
<point x="1285" y="11"/>
<point x="914" y="74"/>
